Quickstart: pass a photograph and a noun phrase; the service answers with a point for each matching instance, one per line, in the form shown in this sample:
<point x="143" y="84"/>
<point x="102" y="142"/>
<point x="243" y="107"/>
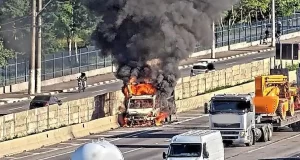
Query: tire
<point x="270" y="132"/>
<point x="251" y="140"/>
<point x="280" y="111"/>
<point x="265" y="135"/>
<point x="291" y="111"/>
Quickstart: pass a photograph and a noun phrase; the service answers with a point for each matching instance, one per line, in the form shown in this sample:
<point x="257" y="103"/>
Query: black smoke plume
<point x="137" y="31"/>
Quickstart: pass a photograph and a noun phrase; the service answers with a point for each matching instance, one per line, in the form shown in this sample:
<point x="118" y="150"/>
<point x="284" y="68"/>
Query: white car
<point x="201" y="66"/>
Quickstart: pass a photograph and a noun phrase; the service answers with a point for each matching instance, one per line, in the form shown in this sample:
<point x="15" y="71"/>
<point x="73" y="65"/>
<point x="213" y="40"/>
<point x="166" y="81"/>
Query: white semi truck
<point x="234" y="116"/>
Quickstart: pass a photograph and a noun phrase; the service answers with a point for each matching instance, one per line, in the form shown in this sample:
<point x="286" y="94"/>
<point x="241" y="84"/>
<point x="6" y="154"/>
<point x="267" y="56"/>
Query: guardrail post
<point x="228" y="36"/>
<point x="63" y="66"/>
<point x="97" y="60"/>
<point x="53" y="69"/>
<point x="16" y="68"/>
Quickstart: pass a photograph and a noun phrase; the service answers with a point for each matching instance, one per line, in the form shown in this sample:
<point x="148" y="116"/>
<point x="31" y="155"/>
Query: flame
<point x="160" y="117"/>
<point x="145" y="88"/>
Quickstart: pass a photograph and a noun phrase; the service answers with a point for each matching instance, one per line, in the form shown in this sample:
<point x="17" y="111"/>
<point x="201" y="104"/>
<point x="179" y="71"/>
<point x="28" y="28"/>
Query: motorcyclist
<point x="83" y="79"/>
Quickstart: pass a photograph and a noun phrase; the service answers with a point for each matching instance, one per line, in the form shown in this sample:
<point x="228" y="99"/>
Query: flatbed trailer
<point x="277" y="122"/>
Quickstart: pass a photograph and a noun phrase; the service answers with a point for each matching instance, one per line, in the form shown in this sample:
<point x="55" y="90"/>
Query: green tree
<point x="5" y="54"/>
<point x="75" y="23"/>
<point x="15" y="24"/>
<point x="287" y="7"/>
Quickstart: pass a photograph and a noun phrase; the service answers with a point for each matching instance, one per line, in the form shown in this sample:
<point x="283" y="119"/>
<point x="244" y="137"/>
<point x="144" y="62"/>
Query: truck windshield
<point x="140" y="103"/>
<point x="185" y="150"/>
<point x="224" y="106"/>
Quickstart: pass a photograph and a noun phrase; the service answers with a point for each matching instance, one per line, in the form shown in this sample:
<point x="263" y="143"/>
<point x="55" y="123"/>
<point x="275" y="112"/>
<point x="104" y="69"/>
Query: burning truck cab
<point x="143" y="107"/>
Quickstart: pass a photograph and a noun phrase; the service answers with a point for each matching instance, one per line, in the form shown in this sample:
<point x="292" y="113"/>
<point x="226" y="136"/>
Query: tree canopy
<point x="68" y="24"/>
<point x="257" y="10"/>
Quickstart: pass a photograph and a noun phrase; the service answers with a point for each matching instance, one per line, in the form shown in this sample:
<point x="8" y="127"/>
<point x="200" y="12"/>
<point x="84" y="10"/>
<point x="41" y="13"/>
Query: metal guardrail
<point x="62" y="64"/>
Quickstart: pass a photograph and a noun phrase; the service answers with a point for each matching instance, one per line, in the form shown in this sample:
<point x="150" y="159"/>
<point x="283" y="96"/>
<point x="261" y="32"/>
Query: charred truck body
<point x="144" y="107"/>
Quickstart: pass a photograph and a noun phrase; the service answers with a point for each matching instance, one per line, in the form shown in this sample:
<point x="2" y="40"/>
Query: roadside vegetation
<point x="68" y="24"/>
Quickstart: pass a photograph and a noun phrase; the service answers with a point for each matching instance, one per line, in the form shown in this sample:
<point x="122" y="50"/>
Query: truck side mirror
<point x="164" y="155"/>
<point x="205" y="152"/>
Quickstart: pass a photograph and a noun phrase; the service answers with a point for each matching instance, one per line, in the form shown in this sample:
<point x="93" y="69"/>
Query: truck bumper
<point x="236" y="141"/>
<point x="234" y="137"/>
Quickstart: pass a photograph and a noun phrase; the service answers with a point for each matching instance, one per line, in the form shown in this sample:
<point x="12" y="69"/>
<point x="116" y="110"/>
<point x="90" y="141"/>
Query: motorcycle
<point x="81" y="85"/>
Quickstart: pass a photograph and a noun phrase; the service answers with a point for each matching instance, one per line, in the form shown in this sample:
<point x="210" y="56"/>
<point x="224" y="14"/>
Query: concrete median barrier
<point x="47" y="138"/>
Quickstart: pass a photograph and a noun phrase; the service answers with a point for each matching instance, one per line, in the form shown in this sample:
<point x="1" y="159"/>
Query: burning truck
<point x="143" y="106"/>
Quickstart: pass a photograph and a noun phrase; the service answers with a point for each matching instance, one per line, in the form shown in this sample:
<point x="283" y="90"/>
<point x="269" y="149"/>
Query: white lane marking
<point x="99" y="91"/>
<point x="15" y="108"/>
<point x="282" y="140"/>
<point x="230" y="63"/>
<point x="133" y="150"/>
<point x="131" y="135"/>
<point x="184" y="117"/>
<point x="187" y="120"/>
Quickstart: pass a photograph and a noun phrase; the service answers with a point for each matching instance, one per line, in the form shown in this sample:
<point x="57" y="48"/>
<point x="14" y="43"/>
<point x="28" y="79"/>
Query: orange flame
<point x="133" y="88"/>
<point x="160" y="117"/>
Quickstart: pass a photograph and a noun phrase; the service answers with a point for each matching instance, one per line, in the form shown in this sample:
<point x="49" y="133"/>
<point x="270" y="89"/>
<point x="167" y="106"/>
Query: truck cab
<point x="141" y="105"/>
<point x="234" y="116"/>
<point x="196" y="145"/>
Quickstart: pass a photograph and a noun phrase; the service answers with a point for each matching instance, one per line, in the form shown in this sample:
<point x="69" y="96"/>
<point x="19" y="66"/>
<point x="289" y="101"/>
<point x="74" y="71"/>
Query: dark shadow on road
<point x="145" y="134"/>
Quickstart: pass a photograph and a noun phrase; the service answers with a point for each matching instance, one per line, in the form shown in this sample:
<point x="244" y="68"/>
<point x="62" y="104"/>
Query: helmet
<point x="83" y="74"/>
<point x="102" y="150"/>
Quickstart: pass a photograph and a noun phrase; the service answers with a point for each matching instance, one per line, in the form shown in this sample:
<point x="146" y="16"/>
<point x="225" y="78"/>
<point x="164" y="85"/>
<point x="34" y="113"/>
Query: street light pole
<point x="213" y="49"/>
<point x="273" y="24"/>
<point x="39" y="50"/>
<point x="31" y="83"/>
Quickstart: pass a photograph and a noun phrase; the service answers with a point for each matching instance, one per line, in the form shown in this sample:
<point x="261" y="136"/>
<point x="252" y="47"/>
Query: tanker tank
<point x="100" y="150"/>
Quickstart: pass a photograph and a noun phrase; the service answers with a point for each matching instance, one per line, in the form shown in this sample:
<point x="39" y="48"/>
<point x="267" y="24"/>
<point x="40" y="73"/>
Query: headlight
<point x="242" y="134"/>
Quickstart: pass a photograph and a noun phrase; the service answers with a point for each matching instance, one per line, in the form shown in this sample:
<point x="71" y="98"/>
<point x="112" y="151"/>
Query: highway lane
<point x="98" y="90"/>
<point x="149" y="143"/>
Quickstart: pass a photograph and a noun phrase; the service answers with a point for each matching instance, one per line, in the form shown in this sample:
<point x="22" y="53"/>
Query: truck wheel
<point x="270" y="132"/>
<point x="265" y="134"/>
<point x="251" y="138"/>
<point x="280" y="111"/>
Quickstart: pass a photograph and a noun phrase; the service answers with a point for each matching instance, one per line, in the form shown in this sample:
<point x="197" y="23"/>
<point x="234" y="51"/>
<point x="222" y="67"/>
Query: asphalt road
<point x="149" y="143"/>
<point x="98" y="90"/>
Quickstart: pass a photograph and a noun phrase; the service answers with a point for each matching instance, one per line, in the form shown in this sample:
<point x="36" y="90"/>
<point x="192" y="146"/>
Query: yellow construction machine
<point x="274" y="96"/>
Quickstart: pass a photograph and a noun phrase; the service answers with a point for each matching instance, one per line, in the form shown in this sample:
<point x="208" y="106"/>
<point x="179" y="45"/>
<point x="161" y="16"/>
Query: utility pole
<point x="39" y="50"/>
<point x="273" y="24"/>
<point x="213" y="49"/>
<point x="31" y="84"/>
